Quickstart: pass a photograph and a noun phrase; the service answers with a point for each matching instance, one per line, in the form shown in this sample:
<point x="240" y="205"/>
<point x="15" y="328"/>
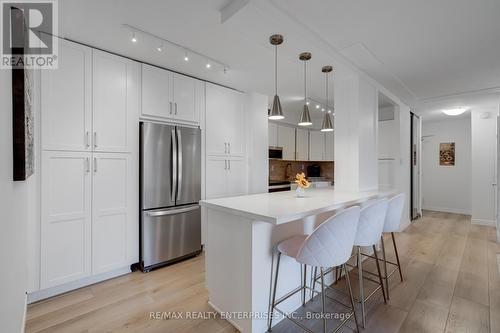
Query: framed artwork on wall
<point x="447" y="153"/>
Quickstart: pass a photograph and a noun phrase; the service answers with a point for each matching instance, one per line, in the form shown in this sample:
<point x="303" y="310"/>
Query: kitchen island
<point x="241" y="234"/>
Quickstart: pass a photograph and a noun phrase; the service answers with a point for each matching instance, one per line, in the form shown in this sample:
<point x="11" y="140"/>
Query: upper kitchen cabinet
<point x="302" y="145"/>
<point x="316" y="146"/>
<point x="66" y="100"/>
<point x="329" y="146"/>
<point x="171" y="96"/>
<point x="286" y="140"/>
<point x="225" y="131"/>
<point x="272" y="134"/>
<point x="116" y="95"/>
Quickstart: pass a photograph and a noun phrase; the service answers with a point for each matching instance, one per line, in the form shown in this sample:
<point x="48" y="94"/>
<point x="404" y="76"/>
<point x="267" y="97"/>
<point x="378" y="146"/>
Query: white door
<point x="316" y="146"/>
<point x="236" y="177"/>
<point x="66" y="217"/>
<point x="302" y="142"/>
<point x="329" y="146"/>
<point x="113" y="180"/>
<point x="185" y="98"/>
<point x="273" y="134"/>
<point x="157" y="99"/>
<point x="66" y="103"/>
<point x="115" y="102"/>
<point x="286" y="139"/>
<point x="216" y="177"/>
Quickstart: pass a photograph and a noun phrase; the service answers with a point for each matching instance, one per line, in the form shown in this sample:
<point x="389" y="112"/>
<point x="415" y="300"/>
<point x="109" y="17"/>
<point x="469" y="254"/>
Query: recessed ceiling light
<point x="159" y="48"/>
<point x="322" y="109"/>
<point x="208" y="65"/>
<point x="455" y="111"/>
<point x="307" y="103"/>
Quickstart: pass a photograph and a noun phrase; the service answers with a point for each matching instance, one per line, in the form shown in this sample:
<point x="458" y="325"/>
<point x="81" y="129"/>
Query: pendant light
<point x="327" y="121"/>
<point x="305" y="117"/>
<point x="276" y="111"/>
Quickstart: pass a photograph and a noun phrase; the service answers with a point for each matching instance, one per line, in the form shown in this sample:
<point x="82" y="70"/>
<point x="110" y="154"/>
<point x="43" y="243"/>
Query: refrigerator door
<point x="170" y="233"/>
<point x="158" y="165"/>
<point x="189" y="165"/>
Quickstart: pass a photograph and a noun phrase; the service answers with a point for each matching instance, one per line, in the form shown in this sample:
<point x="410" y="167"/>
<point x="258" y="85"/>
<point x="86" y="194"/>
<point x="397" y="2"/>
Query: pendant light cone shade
<point x="276" y="111"/>
<point x="327" y="125"/>
<point x="305" y="117"/>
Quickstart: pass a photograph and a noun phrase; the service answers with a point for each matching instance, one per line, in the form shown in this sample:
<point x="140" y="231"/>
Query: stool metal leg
<point x="361" y="288"/>
<point x="304" y="286"/>
<point x="379" y="273"/>
<point x="315" y="273"/>
<point x="397" y="256"/>
<point x="323" y="302"/>
<point x="273" y="301"/>
<point x="385" y="266"/>
<point x="350" y="296"/>
<point x="336" y="274"/>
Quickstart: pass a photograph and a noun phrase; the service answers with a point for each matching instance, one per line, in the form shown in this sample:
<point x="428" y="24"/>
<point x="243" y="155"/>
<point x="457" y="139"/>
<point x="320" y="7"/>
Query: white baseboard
<point x="448" y="210"/>
<point x="489" y="223"/>
<point x="218" y="310"/>
<point x="25" y="312"/>
<point x="404" y="224"/>
<point x="64" y="288"/>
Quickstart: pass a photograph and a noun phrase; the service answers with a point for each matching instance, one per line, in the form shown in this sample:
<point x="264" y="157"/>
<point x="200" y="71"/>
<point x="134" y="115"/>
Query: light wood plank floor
<point x="452" y="284"/>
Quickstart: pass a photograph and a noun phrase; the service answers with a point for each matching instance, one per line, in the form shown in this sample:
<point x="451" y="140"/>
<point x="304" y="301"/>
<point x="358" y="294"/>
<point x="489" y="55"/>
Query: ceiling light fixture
<point x="160" y="47"/>
<point x="456" y="111"/>
<point x="305" y="117"/>
<point x="276" y="111"/>
<point x="208" y="65"/>
<point x="186" y="58"/>
<point x="317" y="106"/>
<point x="134" y="38"/>
<point x="327" y="121"/>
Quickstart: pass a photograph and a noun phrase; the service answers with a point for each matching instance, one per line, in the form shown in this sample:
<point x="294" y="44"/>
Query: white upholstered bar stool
<point x="392" y="224"/>
<point x="370" y="226"/>
<point x="329" y="245"/>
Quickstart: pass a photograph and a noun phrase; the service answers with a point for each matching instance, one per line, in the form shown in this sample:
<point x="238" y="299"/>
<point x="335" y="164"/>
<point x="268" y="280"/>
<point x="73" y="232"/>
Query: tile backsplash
<point x="286" y="170"/>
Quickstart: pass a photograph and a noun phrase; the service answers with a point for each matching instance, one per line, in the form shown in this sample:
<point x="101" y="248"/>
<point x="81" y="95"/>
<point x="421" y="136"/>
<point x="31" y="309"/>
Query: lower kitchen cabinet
<point x="89" y="215"/>
<point x="225" y="177"/>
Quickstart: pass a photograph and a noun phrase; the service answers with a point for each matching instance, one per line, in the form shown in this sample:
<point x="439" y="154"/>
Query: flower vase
<point x="300" y="192"/>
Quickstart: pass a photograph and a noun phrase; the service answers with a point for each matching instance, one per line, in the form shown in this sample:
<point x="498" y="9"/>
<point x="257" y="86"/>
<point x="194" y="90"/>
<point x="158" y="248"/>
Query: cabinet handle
<point x="229" y="164"/>
<point x="87" y="139"/>
<point x="229" y="147"/>
<point x="225" y="147"/>
<point x="87" y="165"/>
<point x="170" y="107"/>
<point x="175" y="104"/>
<point x="95" y="139"/>
<point x="225" y="164"/>
<point x="95" y="164"/>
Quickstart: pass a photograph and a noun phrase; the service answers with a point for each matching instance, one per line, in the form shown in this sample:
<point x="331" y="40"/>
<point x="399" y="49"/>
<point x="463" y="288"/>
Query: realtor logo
<point x="28" y="30"/>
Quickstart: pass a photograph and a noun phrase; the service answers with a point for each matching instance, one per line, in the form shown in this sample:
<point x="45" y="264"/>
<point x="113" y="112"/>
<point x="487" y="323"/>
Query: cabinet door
<point x="115" y="102"/>
<point x="66" y="217"/>
<point x="185" y="98"/>
<point x="302" y="142"/>
<point x="316" y="146"/>
<point x="236" y="177"/>
<point x="272" y="134"/>
<point x="216" y="177"/>
<point x="66" y="100"/>
<point x="329" y="146"/>
<point x="113" y="181"/>
<point x="225" y="130"/>
<point x="157" y="101"/>
<point x="286" y="139"/>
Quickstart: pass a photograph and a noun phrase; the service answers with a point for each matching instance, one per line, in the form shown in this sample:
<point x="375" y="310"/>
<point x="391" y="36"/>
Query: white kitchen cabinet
<point x="113" y="212"/>
<point x="316" y="146"/>
<point x="116" y="95"/>
<point x="66" y="217"/>
<point x="302" y="145"/>
<point x="157" y="92"/>
<point x="286" y="140"/>
<point x="329" y="146"/>
<point x="225" y="131"/>
<point x="66" y="104"/>
<point x="272" y="134"/>
<point x="170" y="96"/>
<point x="225" y="176"/>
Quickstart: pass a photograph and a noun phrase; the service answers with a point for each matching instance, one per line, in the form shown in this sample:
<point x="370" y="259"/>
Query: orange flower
<point x="301" y="180"/>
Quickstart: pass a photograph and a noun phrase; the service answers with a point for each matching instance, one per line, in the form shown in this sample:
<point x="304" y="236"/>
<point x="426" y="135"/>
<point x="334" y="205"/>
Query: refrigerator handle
<point x="179" y="161"/>
<point x="174" y="165"/>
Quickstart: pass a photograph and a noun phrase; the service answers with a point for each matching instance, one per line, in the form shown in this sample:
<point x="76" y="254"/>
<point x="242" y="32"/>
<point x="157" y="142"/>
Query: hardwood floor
<point x="452" y="284"/>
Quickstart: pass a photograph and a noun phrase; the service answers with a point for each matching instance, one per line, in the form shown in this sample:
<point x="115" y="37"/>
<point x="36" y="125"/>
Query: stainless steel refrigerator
<point x="170" y="168"/>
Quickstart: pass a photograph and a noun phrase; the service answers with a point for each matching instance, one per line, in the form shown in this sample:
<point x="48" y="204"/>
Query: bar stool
<point x="392" y="224"/>
<point x="370" y="227"/>
<point x="329" y="245"/>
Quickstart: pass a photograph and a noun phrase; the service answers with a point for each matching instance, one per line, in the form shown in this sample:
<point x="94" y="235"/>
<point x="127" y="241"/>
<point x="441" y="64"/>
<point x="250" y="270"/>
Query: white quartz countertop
<point x="282" y="207"/>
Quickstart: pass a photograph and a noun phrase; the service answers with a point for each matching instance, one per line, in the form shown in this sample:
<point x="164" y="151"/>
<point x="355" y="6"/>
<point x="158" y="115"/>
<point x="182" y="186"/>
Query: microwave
<point x="276" y="153"/>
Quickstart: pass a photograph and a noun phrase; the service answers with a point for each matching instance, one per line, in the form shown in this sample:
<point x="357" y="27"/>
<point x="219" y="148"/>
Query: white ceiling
<point x="422" y="51"/>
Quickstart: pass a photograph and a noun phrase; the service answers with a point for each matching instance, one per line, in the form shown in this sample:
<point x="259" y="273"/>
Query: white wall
<point x="447" y="188"/>
<point x="484" y="165"/>
<point x="14" y="214"/>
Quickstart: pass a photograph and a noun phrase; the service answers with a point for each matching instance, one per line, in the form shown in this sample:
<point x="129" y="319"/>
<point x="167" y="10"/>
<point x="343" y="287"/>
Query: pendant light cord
<point x="276" y="69"/>
<point x="305" y="82"/>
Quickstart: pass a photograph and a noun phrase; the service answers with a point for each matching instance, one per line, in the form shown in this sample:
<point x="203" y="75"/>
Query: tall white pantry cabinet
<point x="89" y="165"/>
